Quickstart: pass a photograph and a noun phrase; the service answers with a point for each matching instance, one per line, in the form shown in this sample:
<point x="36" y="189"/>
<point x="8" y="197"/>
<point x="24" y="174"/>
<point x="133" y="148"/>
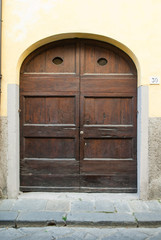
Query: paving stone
<point x="38" y="235"/>
<point x="82" y="206"/>
<point x="107" y="219"/>
<point x="29" y="204"/>
<point x="148" y="218"/>
<point x="10" y="233"/>
<point x="8" y="217"/>
<point x="154" y="206"/>
<point x="30" y="230"/>
<point x="58" y="205"/>
<point x="138" y="206"/>
<point x="133" y="234"/>
<point x="79" y="233"/>
<point x="122" y="206"/>
<point x="126" y="235"/>
<point x="40" y="218"/>
<point x="104" y="206"/>
<point x="65" y="233"/>
<point x="6" y="205"/>
<point x="90" y="236"/>
<point x="156" y="236"/>
<point x="67" y="238"/>
<point x="60" y="231"/>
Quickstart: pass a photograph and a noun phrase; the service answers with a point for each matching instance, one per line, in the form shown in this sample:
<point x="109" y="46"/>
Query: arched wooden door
<point x="78" y="118"/>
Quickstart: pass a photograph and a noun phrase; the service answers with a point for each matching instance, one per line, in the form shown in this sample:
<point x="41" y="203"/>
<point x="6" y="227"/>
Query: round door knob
<point x="81" y="132"/>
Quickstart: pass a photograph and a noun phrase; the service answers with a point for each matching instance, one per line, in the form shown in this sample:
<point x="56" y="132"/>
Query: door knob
<point x="81" y="132"/>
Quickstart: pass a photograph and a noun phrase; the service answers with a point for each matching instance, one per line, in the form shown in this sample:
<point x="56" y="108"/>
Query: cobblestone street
<point x="66" y="233"/>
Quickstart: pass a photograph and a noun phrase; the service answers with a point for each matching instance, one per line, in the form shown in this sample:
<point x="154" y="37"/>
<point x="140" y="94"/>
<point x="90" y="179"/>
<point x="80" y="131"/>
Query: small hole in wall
<point x="102" y="61"/>
<point x="57" y="60"/>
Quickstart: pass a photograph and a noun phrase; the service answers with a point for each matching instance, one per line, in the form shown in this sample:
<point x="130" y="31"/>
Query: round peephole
<point x="57" y="60"/>
<point x="102" y="61"/>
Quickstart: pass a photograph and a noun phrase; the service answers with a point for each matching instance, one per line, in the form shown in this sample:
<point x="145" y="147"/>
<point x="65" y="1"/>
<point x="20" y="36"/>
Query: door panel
<point x="49" y="166"/>
<point x="107" y="167"/>
<point x="59" y="148"/>
<point x="108" y="149"/>
<point x="42" y="61"/>
<point x="108" y="84"/>
<point x="50" y="182"/>
<point x="78" y="119"/>
<point x="108" y="110"/>
<point x="104" y="58"/>
<point x="48" y="83"/>
<point x="50" y="110"/>
<point x="108" y="183"/>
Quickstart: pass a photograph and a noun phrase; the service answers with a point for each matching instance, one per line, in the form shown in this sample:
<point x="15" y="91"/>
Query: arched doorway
<point x="78" y="118"/>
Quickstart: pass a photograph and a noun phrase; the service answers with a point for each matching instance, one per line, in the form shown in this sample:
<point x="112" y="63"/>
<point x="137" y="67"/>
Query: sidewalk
<point x="79" y="209"/>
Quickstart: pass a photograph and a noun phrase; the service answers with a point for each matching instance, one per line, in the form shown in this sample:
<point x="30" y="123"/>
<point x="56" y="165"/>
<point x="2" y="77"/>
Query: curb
<point x="85" y="219"/>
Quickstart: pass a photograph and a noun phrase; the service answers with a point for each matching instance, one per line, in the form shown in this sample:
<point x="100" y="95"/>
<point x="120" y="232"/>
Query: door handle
<point x="81" y="132"/>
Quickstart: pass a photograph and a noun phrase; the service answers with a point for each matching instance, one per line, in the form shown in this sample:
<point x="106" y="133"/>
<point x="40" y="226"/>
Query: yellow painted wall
<point x="132" y="25"/>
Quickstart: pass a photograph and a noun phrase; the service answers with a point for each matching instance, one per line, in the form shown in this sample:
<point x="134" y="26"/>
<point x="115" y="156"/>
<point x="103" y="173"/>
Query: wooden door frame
<point x="14" y="132"/>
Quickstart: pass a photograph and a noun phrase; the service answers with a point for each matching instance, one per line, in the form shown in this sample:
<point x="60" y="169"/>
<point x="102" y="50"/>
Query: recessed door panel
<point x="50" y="148"/>
<point x="99" y="59"/>
<point x="108" y="110"/>
<point x="108" y="149"/>
<point x="50" y="110"/>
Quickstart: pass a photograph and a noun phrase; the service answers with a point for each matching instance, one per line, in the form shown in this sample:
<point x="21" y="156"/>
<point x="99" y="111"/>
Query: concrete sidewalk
<point x="79" y="209"/>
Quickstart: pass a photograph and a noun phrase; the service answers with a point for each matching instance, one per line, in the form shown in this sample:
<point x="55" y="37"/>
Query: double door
<point x="78" y="118"/>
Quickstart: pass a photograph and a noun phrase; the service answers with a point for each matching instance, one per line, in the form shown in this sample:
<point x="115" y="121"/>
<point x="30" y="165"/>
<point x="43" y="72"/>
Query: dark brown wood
<point x="107" y="167"/>
<point x="92" y="183"/>
<point x="49" y="166"/>
<point x="108" y="120"/>
<point x="39" y="84"/>
<point x="48" y="180"/>
<point x="78" y="118"/>
<point x="41" y="61"/>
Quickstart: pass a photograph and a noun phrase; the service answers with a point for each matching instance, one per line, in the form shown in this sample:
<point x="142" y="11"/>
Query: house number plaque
<point x="154" y="80"/>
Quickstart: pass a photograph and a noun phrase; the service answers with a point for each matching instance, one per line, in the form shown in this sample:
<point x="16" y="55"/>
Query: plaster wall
<point x="133" y="26"/>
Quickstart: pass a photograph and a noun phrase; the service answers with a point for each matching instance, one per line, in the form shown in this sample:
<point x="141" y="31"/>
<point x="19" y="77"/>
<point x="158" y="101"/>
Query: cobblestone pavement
<point x="66" y="233"/>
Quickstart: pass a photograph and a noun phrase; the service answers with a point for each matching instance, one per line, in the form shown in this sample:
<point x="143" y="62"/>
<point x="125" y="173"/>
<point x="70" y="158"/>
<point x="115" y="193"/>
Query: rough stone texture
<point x="63" y="233"/>
<point x="101" y="219"/>
<point x="82" y="206"/>
<point x="3" y="156"/>
<point x="58" y="205"/>
<point x="8" y="218"/>
<point x="138" y="206"/>
<point x="122" y="206"/>
<point x="104" y="206"/>
<point x="7" y="204"/>
<point x="154" y="158"/>
<point x="39" y="218"/>
<point x="148" y="219"/>
<point x="30" y="205"/>
<point x="41" y="212"/>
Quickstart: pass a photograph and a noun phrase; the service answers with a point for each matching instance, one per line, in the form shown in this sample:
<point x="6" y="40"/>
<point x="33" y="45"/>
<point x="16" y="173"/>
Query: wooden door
<point x="108" y="119"/>
<point x="78" y="118"/>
